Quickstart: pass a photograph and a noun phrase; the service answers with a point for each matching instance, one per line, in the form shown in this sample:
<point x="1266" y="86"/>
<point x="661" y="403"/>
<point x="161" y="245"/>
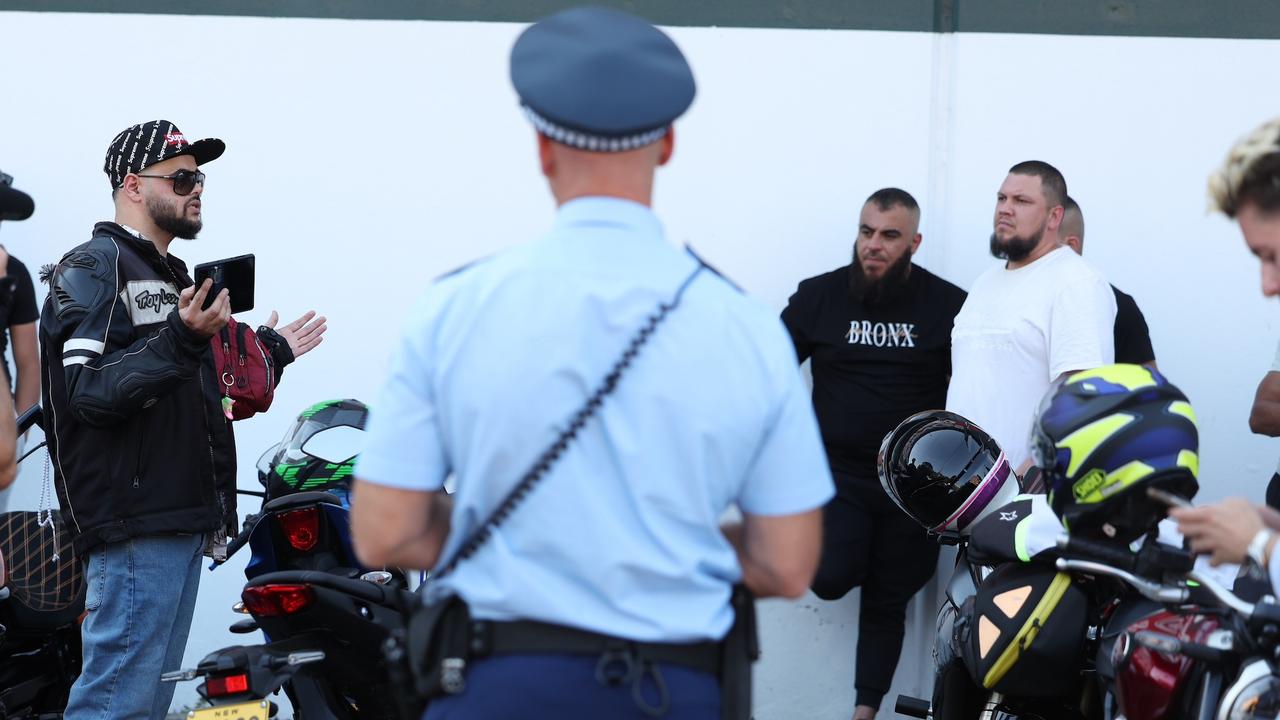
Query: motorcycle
<point x="989" y="551"/>
<point x="1076" y="681"/>
<point x="42" y="593"/>
<point x="306" y="590"/>
<point x="238" y="679"/>
<point x="1206" y="653"/>
<point x="1164" y="639"/>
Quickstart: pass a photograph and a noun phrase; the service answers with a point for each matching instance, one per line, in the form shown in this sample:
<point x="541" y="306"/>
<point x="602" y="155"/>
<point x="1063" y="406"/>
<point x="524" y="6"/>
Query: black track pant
<point x="867" y="541"/>
<point x="1273" y="491"/>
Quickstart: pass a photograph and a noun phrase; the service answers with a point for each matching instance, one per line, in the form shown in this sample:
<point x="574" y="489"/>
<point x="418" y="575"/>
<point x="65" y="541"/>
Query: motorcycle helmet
<point x="945" y="472"/>
<point x="1102" y="437"/>
<point x="318" y="451"/>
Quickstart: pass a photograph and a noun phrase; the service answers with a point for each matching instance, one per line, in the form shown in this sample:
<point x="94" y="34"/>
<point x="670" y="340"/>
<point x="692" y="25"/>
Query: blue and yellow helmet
<point x="1103" y="436"/>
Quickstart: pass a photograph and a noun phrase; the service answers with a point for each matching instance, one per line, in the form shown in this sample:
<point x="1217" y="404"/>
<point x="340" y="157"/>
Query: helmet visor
<point x="941" y="469"/>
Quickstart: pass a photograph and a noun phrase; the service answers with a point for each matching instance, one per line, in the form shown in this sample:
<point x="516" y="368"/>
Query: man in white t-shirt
<point x="1045" y="313"/>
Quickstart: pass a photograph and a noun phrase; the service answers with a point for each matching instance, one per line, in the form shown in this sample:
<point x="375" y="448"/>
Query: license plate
<point x="256" y="710"/>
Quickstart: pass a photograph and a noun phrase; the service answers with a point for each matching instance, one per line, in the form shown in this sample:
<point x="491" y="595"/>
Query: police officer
<point x="613" y="563"/>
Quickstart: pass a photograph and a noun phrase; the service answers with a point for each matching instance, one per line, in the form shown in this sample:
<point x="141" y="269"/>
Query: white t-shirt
<point x="1017" y="332"/>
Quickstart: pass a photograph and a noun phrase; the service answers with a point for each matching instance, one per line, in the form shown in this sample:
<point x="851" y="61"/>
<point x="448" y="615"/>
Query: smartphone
<point x="235" y="274"/>
<point x="1168" y="498"/>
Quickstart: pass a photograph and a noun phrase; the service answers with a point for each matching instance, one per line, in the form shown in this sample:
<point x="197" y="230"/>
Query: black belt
<point x="488" y="637"/>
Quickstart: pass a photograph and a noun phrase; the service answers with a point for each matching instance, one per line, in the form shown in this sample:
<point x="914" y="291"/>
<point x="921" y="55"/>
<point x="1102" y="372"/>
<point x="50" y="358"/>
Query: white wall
<point x="366" y="157"/>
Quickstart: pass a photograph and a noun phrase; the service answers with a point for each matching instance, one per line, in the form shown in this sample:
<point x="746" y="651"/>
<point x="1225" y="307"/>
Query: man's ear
<point x="132" y="188"/>
<point x="546" y="155"/>
<point x="915" y="243"/>
<point x="1056" y="214"/>
<point x="667" y="147"/>
<point x="1074" y="242"/>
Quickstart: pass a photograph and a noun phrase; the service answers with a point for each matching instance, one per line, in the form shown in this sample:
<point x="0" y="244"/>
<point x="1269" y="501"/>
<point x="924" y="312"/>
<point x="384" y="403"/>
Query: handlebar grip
<point x="912" y="707"/>
<point x="1265" y="612"/>
<point x="1204" y="653"/>
<point x="243" y="536"/>
<point x="1117" y="556"/>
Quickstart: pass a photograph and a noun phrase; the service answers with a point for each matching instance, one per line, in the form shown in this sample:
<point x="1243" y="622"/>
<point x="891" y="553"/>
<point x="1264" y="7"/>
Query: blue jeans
<point x="140" y="595"/>
<point x="552" y="687"/>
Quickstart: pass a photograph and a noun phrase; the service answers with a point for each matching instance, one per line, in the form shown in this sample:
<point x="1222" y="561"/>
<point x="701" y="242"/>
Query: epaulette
<point x="460" y="269"/>
<point x="713" y="269"/>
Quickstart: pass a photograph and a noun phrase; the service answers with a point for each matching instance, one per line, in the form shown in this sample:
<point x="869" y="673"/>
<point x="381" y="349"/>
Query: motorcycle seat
<point x="364" y="590"/>
<point x="44" y="593"/>
<point x="311" y="497"/>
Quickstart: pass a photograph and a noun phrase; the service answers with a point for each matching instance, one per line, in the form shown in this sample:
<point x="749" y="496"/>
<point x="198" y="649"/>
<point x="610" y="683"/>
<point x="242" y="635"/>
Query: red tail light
<point x="276" y="600"/>
<point x="228" y="685"/>
<point x="301" y="527"/>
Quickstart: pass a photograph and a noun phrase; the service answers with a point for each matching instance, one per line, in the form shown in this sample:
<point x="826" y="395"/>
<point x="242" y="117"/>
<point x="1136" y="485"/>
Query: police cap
<point x="599" y="79"/>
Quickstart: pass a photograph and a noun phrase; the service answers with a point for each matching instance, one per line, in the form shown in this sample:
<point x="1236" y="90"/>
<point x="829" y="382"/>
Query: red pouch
<point x="246" y="374"/>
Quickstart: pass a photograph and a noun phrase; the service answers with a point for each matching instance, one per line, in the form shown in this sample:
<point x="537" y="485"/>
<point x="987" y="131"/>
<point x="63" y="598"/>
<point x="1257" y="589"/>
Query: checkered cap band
<point x="588" y="141"/>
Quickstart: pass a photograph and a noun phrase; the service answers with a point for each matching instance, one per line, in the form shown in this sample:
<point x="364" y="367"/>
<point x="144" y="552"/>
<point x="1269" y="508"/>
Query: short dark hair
<point x="1069" y="205"/>
<point x="890" y="197"/>
<point x="1054" y="185"/>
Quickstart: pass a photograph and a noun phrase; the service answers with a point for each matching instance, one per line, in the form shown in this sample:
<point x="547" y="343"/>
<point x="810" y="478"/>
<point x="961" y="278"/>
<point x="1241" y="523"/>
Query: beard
<point x="870" y="292"/>
<point x="173" y="221"/>
<point x="1016" y="249"/>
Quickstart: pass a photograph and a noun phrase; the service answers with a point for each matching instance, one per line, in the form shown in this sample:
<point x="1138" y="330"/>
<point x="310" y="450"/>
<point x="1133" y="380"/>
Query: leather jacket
<point x="138" y="440"/>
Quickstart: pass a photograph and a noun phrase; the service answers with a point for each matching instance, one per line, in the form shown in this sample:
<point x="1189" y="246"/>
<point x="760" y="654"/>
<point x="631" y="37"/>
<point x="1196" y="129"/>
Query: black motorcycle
<point x="306" y="590"/>
<point x="41" y="602"/>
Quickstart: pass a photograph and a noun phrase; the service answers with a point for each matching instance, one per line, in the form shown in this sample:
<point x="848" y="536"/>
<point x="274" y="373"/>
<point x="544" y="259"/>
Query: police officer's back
<point x="620" y="537"/>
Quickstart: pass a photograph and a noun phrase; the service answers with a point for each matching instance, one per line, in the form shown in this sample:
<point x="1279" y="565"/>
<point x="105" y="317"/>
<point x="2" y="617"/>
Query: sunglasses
<point x="184" y="181"/>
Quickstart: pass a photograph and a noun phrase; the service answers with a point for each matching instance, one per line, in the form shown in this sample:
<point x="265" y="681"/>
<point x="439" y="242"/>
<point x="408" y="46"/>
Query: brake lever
<point x="1160" y="593"/>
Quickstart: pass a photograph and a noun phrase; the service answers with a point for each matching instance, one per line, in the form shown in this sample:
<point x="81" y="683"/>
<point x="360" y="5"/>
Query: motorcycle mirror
<point x="338" y="444"/>
<point x="264" y="461"/>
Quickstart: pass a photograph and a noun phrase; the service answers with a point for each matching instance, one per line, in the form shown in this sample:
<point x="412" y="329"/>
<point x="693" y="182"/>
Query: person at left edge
<point x="143" y="457"/>
<point x="877" y="333"/>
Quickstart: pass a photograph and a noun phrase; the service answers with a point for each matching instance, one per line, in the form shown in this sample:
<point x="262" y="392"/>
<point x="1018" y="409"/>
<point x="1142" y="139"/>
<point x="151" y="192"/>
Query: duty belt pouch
<point x="738" y="651"/>
<point x="437" y="647"/>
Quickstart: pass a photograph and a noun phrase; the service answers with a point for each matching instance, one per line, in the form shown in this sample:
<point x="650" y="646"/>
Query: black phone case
<point x="235" y="274"/>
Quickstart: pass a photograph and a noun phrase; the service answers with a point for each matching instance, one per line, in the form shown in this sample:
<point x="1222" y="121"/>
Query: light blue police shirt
<point x="622" y="535"/>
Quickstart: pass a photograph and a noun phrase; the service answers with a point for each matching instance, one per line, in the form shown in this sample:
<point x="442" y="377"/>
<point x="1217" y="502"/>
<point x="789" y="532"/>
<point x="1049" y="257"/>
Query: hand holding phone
<point x="197" y="312"/>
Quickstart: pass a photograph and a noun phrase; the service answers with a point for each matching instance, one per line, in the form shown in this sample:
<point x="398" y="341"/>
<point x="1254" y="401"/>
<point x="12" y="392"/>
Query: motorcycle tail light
<point x="277" y="600"/>
<point x="301" y="527"/>
<point x="226" y="685"/>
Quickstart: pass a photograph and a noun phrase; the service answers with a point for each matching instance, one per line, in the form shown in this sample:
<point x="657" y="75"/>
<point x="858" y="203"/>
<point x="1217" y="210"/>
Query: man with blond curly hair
<point x="1246" y="189"/>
